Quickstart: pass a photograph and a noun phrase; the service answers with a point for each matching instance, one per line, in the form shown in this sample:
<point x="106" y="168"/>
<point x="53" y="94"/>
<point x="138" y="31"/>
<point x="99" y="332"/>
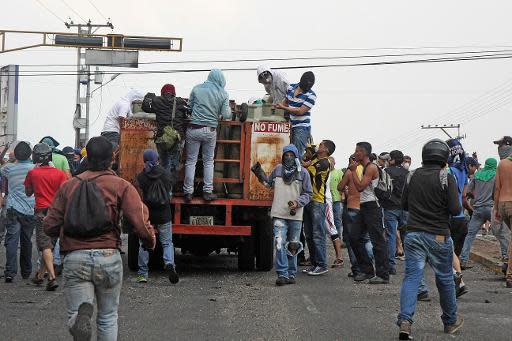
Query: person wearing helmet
<point x="275" y="83"/>
<point x="43" y="182"/>
<point x="58" y="160"/>
<point x="20" y="213"/>
<point x="431" y="197"/>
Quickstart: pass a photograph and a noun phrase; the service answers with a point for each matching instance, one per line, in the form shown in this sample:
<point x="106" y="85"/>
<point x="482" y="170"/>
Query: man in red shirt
<point x="44" y="181"/>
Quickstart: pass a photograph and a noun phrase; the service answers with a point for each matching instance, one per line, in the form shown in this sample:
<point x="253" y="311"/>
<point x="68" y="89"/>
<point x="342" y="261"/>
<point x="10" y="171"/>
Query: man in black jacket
<point x="394" y="216"/>
<point x="162" y="106"/>
<point x="430" y="196"/>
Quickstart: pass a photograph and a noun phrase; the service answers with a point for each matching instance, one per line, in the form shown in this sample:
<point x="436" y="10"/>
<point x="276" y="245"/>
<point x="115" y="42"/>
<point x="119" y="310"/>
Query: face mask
<point x="288" y="162"/>
<point x="406" y="165"/>
<point x="504" y="152"/>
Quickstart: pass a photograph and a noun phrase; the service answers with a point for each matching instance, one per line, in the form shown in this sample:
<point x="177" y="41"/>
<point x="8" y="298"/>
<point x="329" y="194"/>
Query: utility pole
<point x="82" y="69"/>
<point x="444" y="128"/>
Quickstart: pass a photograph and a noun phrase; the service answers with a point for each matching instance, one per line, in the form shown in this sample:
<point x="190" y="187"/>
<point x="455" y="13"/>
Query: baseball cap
<point x="472" y="161"/>
<point x="506" y="140"/>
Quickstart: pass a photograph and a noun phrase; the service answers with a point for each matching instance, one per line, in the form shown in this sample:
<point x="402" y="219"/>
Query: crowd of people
<point x="378" y="206"/>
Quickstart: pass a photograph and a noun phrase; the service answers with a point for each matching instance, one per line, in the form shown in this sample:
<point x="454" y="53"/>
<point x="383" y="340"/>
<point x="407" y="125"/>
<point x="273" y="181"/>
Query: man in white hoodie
<point x="121" y="108"/>
<point x="275" y="83"/>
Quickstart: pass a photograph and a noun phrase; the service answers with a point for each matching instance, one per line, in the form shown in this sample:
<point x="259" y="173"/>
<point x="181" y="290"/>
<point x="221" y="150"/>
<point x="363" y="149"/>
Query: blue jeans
<point x="19" y="229"/>
<point x="479" y="217"/>
<point x="314" y="228"/>
<point x="286" y="231"/>
<point x="351" y="221"/>
<point x="165" y="237"/>
<point x="421" y="248"/>
<point x="300" y="137"/>
<point x="56" y="253"/>
<point x="337" y="211"/>
<point x="205" y="139"/>
<point x="90" y="274"/>
<point x="392" y="220"/>
<point x="170" y="159"/>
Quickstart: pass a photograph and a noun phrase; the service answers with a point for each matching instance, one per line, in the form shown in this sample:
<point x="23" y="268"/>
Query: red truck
<point x="239" y="219"/>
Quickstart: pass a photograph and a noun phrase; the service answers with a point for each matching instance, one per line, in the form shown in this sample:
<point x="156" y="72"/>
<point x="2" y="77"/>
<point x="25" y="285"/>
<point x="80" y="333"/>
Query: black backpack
<point x="156" y="194"/>
<point x="87" y="214"/>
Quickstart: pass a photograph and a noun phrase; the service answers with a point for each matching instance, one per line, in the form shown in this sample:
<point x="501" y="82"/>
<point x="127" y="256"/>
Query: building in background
<point x="9" y="83"/>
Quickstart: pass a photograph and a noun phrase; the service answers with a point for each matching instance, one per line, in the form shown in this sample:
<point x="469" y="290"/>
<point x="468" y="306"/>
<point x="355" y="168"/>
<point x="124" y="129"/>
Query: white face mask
<point x="406" y="165"/>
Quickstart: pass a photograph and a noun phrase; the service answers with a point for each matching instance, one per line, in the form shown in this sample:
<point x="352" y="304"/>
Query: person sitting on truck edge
<point x="208" y="102"/>
<point x="275" y="83"/>
<point x="298" y="102"/>
<point x="292" y="191"/>
<point x="154" y="180"/>
<point x="93" y="268"/>
<point x="162" y="106"/>
<point x="315" y="212"/>
<point x="121" y="108"/>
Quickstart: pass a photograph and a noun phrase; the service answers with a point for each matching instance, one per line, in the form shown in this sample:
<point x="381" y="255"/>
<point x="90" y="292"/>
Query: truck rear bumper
<point x="218" y="230"/>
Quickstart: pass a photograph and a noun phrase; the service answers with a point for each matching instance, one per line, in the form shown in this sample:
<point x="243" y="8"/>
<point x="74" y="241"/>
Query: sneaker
<point x="188" y="197"/>
<point x="37" y="281"/>
<point x="378" y="280"/>
<point x="318" y="271"/>
<point x="452" y="328"/>
<point x="424" y="297"/>
<point x="405" y="331"/>
<point x="308" y="269"/>
<point x="459" y="291"/>
<point x="281" y="281"/>
<point x="52" y="285"/>
<point x="8" y="279"/>
<point x="338" y="263"/>
<point x="141" y="279"/>
<point x="362" y="277"/>
<point x="291" y="280"/>
<point x="350" y="275"/>
<point x="173" y="276"/>
<point x="81" y="329"/>
<point x="466" y="266"/>
<point x="209" y="196"/>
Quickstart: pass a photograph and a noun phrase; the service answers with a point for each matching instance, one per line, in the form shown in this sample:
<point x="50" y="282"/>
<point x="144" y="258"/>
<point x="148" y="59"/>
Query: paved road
<point x="213" y="301"/>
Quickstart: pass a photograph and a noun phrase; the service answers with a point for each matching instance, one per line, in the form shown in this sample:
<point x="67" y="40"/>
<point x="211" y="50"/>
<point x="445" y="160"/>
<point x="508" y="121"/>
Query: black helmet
<point x="435" y="150"/>
<point x="42" y="153"/>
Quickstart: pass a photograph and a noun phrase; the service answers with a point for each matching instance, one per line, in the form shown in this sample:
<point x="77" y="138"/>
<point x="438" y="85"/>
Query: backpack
<point x="384" y="188"/>
<point x="87" y="214"/>
<point x="156" y="194"/>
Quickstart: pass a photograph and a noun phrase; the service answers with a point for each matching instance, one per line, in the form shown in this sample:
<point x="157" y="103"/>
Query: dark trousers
<point x="458" y="232"/>
<point x="371" y="223"/>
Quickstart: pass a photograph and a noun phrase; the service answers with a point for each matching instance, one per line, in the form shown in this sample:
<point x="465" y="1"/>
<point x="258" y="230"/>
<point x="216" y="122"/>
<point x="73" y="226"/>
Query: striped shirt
<point x="305" y="98"/>
<point x="15" y="174"/>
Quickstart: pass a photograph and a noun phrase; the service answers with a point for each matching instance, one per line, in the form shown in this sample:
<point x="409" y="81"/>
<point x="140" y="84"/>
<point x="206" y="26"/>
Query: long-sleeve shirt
<point x="430" y="204"/>
<point x="119" y="195"/>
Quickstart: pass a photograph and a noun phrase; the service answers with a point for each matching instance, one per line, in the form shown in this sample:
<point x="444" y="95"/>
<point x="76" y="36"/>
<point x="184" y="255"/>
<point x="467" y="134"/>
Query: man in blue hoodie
<point x="292" y="191"/>
<point x="208" y="102"/>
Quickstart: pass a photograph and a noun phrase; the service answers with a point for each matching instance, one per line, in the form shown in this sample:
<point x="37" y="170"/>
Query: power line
<point x="72" y="10"/>
<point x="97" y="9"/>
<point x="50" y="11"/>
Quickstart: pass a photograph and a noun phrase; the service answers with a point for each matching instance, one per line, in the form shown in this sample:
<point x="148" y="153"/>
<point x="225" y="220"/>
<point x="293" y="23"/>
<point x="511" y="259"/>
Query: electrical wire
<point x="50" y="11"/>
<point x="97" y="10"/>
<point x="72" y="10"/>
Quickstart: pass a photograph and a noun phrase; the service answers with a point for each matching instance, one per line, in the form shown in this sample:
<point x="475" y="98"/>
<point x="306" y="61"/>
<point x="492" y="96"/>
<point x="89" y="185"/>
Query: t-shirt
<point x="45" y="181"/>
<point x="15" y="174"/>
<point x="319" y="173"/>
<point x="483" y="192"/>
<point x="334" y="180"/>
<point x="304" y="98"/>
<point x="461" y="176"/>
<point x="60" y="162"/>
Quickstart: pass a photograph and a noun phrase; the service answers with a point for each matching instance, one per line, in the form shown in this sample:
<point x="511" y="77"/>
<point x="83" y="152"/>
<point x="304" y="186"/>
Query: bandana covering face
<point x="150" y="160"/>
<point x="504" y="152"/>
<point x="488" y="172"/>
<point x="290" y="164"/>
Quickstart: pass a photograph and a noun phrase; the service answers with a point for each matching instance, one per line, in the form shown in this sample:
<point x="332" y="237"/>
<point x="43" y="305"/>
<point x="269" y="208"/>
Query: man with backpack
<point x="171" y="112"/>
<point x="371" y="219"/>
<point x="43" y="182"/>
<point x="20" y="213"/>
<point x="430" y="197"/>
<point x="394" y="216"/>
<point x="85" y="214"/>
<point x="155" y="184"/>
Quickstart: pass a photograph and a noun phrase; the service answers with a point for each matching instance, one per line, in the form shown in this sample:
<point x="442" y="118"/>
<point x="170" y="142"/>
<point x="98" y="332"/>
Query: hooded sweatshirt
<point x="122" y="108"/>
<point x="277" y="89"/>
<point x="209" y="101"/>
<point x="299" y="189"/>
<point x="157" y="214"/>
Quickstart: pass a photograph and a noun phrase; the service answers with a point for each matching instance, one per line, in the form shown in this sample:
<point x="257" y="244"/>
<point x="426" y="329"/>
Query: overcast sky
<point x="385" y="105"/>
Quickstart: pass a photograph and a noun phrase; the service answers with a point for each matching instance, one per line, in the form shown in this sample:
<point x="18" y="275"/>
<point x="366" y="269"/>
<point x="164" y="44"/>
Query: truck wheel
<point x="246" y="254"/>
<point x="133" y="252"/>
<point x="265" y="250"/>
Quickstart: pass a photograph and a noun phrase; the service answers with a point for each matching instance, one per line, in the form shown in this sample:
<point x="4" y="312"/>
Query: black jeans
<point x="371" y="223"/>
<point x="458" y="231"/>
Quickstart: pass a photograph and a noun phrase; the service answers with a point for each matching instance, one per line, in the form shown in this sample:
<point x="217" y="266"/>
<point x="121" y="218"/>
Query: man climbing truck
<point x="238" y="220"/>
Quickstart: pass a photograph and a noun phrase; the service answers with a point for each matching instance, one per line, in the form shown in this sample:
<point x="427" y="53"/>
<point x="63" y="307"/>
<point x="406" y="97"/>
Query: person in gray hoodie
<point x="292" y="191"/>
<point x="209" y="103"/>
<point x="275" y="83"/>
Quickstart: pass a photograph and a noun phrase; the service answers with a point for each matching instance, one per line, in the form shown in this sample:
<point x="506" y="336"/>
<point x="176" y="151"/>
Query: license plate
<point x="201" y="220"/>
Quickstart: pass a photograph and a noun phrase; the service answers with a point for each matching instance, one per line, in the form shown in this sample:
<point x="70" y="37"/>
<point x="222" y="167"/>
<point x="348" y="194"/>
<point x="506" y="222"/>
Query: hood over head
<point x="50" y="141"/>
<point x="133" y="95"/>
<point x="291" y="148"/>
<point x="261" y="69"/>
<point x="217" y="77"/>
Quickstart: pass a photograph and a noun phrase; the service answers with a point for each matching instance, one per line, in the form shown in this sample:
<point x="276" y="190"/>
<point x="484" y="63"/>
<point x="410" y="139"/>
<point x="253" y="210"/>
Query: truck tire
<point x="265" y="249"/>
<point x="246" y="254"/>
<point x="133" y="252"/>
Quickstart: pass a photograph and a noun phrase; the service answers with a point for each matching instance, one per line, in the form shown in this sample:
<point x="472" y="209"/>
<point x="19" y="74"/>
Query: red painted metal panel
<point x="217" y="230"/>
<point x="232" y="202"/>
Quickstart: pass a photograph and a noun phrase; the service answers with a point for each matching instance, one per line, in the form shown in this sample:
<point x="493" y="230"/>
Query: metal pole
<point x="78" y="108"/>
<point x="87" y="97"/>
